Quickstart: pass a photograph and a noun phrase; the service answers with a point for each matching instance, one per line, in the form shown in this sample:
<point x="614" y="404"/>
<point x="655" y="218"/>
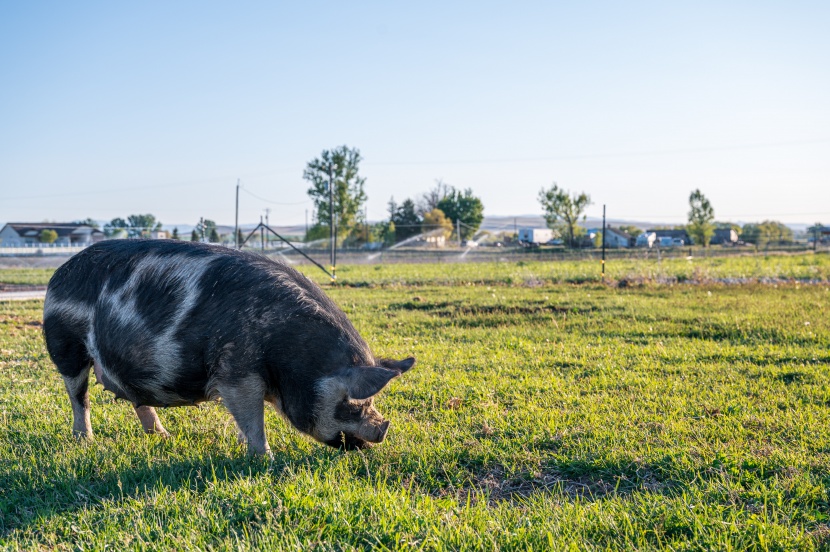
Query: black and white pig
<point x="168" y="323"/>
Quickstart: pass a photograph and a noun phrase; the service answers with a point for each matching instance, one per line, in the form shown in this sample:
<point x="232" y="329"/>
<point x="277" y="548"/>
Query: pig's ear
<point x="363" y="382"/>
<point x="399" y="365"/>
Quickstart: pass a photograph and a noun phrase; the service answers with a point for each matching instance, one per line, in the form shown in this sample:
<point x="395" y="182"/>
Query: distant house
<point x="617" y="238"/>
<point x="22" y="234"/>
<point x="159" y="235"/>
<point x="677" y="237"/>
<point x="435" y="241"/>
<point x="724" y="236"/>
<point x="613" y="237"/>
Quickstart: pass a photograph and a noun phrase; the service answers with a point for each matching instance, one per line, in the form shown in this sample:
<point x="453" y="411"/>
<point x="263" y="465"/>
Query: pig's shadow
<point x="31" y="498"/>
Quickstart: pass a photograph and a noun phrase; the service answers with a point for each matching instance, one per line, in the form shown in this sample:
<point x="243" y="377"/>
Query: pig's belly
<point x="152" y="390"/>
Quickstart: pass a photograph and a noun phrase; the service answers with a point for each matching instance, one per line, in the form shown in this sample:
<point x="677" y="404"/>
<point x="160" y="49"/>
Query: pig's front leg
<point x="245" y="399"/>
<point x="150" y="421"/>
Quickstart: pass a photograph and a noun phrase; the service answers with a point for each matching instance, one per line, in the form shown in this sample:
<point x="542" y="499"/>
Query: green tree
<point x="348" y="194"/>
<point x="814" y="232"/>
<point x="563" y="211"/>
<point x="769" y="231"/>
<point x="136" y="226"/>
<point x="317" y="232"/>
<point x="48" y="236"/>
<point x="175" y="234"/>
<point x="464" y="207"/>
<point x="89" y="222"/>
<point x="631" y="230"/>
<point x="194" y="236"/>
<point x="406" y="220"/>
<point x="701" y="219"/>
<point x="214" y="235"/>
<point x="383" y="232"/>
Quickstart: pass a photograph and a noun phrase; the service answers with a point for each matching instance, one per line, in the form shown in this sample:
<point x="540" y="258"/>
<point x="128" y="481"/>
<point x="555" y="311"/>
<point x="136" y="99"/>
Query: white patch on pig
<point x="187" y="275"/>
<point x="330" y="393"/>
<point x="184" y="275"/>
<point x="67" y="309"/>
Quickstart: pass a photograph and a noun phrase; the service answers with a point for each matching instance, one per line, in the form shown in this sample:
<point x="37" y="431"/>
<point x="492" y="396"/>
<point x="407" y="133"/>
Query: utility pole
<point x="458" y="230"/>
<point x="236" y="218"/>
<point x="202" y="227"/>
<point x="261" y="235"/>
<point x="366" y="221"/>
<point x="603" y="243"/>
<point x="332" y="231"/>
<point x="267" y="213"/>
<point x="306" y="222"/>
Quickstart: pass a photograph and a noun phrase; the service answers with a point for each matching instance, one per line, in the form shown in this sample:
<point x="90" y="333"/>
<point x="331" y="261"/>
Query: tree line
<point x="440" y="211"/>
<point x="443" y="210"/>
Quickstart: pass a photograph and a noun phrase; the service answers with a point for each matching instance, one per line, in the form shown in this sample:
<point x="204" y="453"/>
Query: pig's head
<point x="344" y="414"/>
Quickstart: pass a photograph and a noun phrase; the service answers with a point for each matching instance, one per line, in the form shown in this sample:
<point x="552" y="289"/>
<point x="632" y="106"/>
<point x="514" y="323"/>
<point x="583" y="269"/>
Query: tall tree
<point x="563" y="211"/>
<point x="463" y="206"/>
<point x="194" y="236"/>
<point x="342" y="165"/>
<point x="701" y="218"/>
<point x="406" y="221"/>
<point x="214" y="235"/>
<point x="432" y="198"/>
<point x="175" y="235"/>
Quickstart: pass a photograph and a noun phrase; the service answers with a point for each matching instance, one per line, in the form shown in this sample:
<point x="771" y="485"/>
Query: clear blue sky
<point x="113" y="108"/>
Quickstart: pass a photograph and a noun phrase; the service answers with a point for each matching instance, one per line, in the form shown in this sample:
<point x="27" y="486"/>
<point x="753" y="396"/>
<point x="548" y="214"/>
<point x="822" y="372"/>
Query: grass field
<point x="541" y="415"/>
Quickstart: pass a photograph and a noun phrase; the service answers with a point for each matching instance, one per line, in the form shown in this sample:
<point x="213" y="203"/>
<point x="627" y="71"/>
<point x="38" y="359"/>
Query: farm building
<point x="614" y="237"/>
<point x="535" y="235"/>
<point x="21" y="234"/>
<point x="677" y="237"/>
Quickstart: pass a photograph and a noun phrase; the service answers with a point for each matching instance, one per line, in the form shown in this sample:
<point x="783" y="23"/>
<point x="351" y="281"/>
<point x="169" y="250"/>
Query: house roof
<point x="669" y="233"/>
<point x="63" y="229"/>
<point x="620" y="233"/>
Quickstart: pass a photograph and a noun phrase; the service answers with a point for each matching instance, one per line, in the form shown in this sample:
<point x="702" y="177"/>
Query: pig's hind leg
<point x="150" y="421"/>
<point x="71" y="358"/>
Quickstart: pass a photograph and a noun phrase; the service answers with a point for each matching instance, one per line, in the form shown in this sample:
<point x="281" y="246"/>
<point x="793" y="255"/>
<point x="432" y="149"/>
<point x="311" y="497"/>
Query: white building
<point x="535" y="235"/>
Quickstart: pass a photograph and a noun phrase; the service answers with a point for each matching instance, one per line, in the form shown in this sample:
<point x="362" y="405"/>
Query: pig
<point x="168" y="323"/>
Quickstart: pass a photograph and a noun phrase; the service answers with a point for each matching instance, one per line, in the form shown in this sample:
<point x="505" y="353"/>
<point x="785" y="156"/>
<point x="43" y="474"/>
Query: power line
<point x="700" y="149"/>
<point x="273" y="202"/>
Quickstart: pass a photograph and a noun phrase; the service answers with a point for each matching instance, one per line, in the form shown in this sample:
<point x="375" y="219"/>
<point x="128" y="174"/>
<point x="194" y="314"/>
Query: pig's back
<point x="156" y="314"/>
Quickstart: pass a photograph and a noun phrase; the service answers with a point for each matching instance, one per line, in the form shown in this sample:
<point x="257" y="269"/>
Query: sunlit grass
<point x="540" y="415"/>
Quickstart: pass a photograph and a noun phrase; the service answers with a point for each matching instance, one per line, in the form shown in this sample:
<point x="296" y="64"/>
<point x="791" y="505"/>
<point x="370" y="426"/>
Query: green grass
<point x="540" y="415"/>
<point x="26" y="276"/>
<point x="798" y="267"/>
